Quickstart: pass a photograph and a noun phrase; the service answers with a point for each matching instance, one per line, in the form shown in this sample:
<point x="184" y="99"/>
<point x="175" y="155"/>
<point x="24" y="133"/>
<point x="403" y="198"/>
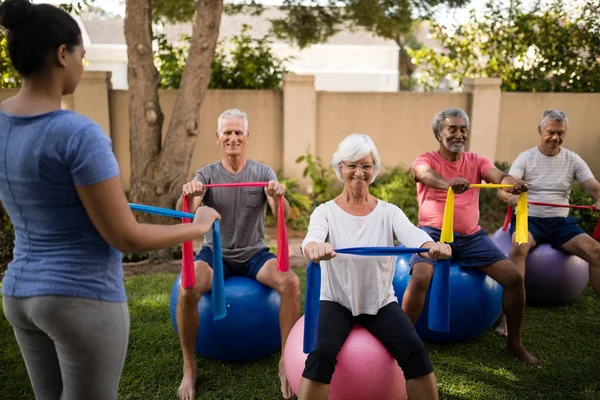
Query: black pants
<point x="390" y="325"/>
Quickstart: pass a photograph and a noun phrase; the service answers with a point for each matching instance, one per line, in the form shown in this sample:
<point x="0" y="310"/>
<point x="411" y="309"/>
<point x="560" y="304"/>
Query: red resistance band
<point x="596" y="234"/>
<point x="188" y="278"/>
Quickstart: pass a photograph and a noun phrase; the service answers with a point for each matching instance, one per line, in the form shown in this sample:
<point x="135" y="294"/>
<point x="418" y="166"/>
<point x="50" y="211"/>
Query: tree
<point x="550" y="48"/>
<point x="305" y="25"/>
<point x="390" y="19"/>
<point x="240" y="62"/>
<point x="159" y="169"/>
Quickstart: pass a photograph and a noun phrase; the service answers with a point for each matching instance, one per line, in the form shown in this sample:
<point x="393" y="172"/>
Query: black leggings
<point x="390" y="325"/>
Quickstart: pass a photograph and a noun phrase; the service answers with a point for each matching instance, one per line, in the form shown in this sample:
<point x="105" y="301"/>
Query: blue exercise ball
<point x="249" y="331"/>
<point x="475" y="302"/>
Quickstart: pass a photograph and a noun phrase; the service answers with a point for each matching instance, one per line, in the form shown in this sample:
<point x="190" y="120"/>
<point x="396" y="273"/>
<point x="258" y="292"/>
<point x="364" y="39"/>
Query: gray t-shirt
<point x="550" y="178"/>
<point x="242" y="209"/>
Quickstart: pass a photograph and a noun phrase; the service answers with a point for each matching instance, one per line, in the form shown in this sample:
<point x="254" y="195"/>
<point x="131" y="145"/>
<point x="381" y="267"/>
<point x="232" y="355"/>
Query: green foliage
<point x="398" y="187"/>
<point x="492" y="210"/>
<point x="325" y="185"/>
<point x="551" y="48"/>
<point x="9" y="78"/>
<point x="177" y="11"/>
<point x="304" y="25"/>
<point x="242" y="62"/>
<point x="173" y="11"/>
<point x="587" y="219"/>
<point x="310" y="24"/>
<point x="300" y="204"/>
<point x="78" y="7"/>
<point x="247" y="63"/>
<point x="170" y="61"/>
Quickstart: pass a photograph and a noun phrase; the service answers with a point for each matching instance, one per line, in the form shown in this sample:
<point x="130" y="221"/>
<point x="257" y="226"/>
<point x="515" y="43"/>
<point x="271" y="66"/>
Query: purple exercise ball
<point x="552" y="276"/>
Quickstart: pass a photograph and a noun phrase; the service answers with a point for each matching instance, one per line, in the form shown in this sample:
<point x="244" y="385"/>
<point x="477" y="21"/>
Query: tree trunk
<point x="158" y="171"/>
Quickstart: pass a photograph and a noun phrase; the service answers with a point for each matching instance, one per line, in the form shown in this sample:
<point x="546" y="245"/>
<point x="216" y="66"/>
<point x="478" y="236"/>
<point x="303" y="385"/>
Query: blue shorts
<point x="474" y="250"/>
<point x="555" y="231"/>
<point x="250" y="268"/>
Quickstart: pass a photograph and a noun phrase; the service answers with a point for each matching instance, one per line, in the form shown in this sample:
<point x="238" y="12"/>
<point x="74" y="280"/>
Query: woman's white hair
<point x="354" y="147"/>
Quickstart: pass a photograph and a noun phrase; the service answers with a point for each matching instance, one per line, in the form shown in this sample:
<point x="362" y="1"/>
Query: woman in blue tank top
<point x="63" y="292"/>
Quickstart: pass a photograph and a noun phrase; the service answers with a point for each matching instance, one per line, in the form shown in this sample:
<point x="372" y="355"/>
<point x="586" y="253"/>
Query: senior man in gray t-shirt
<point x="550" y="170"/>
<point x="242" y="234"/>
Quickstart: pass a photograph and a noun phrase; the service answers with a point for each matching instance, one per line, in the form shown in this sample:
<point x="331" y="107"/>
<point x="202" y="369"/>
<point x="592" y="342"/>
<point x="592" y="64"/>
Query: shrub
<point x="397" y="186"/>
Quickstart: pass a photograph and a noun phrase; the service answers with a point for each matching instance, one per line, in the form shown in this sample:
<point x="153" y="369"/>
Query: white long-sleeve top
<point x="362" y="284"/>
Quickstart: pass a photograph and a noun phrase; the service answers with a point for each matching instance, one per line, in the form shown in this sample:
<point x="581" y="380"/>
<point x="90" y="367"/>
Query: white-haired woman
<point x="357" y="289"/>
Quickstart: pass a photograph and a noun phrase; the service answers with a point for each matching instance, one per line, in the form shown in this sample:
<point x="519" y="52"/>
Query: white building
<point x="349" y="61"/>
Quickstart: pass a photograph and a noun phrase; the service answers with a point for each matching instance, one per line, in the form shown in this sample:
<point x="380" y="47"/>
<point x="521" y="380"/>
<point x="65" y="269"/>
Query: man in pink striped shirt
<point x="452" y="166"/>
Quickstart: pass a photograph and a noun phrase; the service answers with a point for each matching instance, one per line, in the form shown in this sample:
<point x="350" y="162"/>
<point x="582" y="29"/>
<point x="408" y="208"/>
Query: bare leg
<point x="313" y="390"/>
<point x="422" y="388"/>
<point x="518" y="255"/>
<point x="187" y="324"/>
<point x="414" y="296"/>
<point x="587" y="248"/>
<point x="513" y="303"/>
<point x="287" y="285"/>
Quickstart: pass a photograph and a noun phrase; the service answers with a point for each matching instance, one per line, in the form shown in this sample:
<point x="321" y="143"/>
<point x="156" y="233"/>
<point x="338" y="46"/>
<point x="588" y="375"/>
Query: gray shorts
<point x="74" y="348"/>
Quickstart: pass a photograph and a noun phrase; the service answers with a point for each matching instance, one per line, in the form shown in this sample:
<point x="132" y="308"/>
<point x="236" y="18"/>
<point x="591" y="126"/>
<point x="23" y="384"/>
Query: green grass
<point x="566" y="338"/>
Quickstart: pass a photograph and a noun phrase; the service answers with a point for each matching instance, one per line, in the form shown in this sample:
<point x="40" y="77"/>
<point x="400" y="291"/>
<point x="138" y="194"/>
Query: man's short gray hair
<point x="553" y="115"/>
<point x="232" y="114"/>
<point x="354" y="147"/>
<point x="438" y="121"/>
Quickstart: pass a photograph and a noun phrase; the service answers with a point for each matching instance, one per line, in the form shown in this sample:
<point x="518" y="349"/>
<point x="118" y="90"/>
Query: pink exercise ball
<point x="364" y="370"/>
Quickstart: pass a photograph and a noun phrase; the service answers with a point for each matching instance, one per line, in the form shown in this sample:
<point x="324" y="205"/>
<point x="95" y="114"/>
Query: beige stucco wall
<point x="265" y="126"/>
<point x="399" y="123"/>
<point x="519" y="118"/>
<point x="284" y="124"/>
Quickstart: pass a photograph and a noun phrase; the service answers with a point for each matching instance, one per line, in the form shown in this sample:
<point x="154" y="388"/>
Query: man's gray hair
<point x="232" y="114"/>
<point x="553" y="115"/>
<point x="354" y="147"/>
<point x="438" y="121"/>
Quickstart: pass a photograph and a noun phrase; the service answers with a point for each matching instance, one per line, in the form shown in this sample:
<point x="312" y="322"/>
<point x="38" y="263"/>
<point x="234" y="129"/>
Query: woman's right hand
<point x="193" y="189"/>
<point x="205" y="216"/>
<point x="320" y="252"/>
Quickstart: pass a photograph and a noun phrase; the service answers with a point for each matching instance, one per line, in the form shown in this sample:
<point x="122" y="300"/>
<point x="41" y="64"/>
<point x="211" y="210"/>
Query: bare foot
<point x="187" y="389"/>
<point x="501" y="328"/>
<point x="286" y="389"/>
<point x="523" y="355"/>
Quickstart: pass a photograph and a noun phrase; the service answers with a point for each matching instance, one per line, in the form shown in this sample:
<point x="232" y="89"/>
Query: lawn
<point x="567" y="339"/>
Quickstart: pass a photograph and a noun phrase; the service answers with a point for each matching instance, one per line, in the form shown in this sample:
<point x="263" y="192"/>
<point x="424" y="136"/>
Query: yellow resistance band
<point x="521" y="229"/>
